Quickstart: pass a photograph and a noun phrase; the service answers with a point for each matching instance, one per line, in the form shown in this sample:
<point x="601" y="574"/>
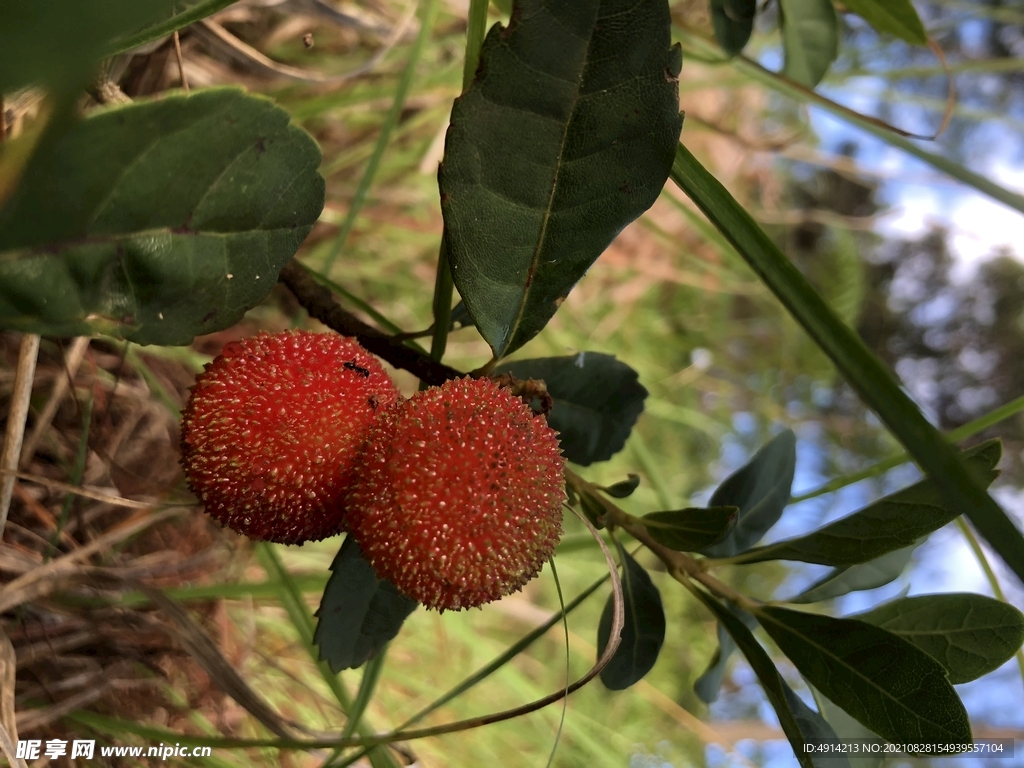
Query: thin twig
<point x="181" y="62"/>
<point x="16" y="416"/>
<point x="320" y="304"/>
<point x="679" y="564"/>
<point x="214" y="32"/>
<point x="71" y="362"/>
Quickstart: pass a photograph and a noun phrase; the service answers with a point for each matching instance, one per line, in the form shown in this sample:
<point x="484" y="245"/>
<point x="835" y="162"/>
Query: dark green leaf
<point x="359" y="613"/>
<point x="814" y="728"/>
<point x="970" y="635"/>
<point x="761" y="491"/>
<point x="846" y="727"/>
<point x="624" y="488"/>
<point x="771" y="681"/>
<point x="708" y="684"/>
<point x="57" y="42"/>
<point x="895" y="17"/>
<point x="691" y="529"/>
<point x="891" y="523"/>
<point x="643" y="633"/>
<point x="158" y="221"/>
<point x="861" y="368"/>
<point x="597" y="400"/>
<point x="871" y="575"/>
<point x="810" y="39"/>
<point x="564" y="137"/>
<point x="459" y="317"/>
<point x="733" y="21"/>
<point x="896" y="690"/>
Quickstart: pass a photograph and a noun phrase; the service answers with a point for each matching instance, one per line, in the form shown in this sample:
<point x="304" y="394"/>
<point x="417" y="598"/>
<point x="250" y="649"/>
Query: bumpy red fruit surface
<point x="458" y="500"/>
<point x="273" y="428"/>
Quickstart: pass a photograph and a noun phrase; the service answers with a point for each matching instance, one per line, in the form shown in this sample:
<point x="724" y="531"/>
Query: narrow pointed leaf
<point x="733" y="21"/>
<point x="709" y="683"/>
<point x="875" y="384"/>
<point x="359" y="613"/>
<point x="810" y="39"/>
<point x="691" y="529"/>
<point x="564" y="137"/>
<point x="597" y="400"/>
<point x="894" y="17"/>
<point x="892" y="523"/>
<point x="624" y="488"/>
<point x="643" y="633"/>
<point x="970" y="635"/>
<point x="159" y="220"/>
<point x="760" y="489"/>
<point x="767" y="674"/>
<point x="887" y="684"/>
<point x="853" y="578"/>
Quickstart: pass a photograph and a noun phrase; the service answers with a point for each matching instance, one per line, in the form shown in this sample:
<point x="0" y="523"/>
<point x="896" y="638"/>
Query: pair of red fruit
<point x="454" y="495"/>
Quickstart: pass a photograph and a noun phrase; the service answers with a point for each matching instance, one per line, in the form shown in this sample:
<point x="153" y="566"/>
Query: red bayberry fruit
<point x="458" y="499"/>
<point x="273" y="428"/>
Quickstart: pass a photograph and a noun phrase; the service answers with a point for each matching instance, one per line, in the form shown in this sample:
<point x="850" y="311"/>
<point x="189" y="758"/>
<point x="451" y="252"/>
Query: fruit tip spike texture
<point x="458" y="500"/>
<point x="273" y="428"/>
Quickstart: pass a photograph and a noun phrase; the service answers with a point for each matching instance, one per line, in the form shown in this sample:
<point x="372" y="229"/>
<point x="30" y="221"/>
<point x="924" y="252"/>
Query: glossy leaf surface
<point x="597" y="400"/>
<point x="887" y="684"/>
<point x="970" y="635"/>
<point x="159" y="220"/>
<point x="892" y="523"/>
<point x="760" y="489"/>
<point x="359" y="613"/>
<point x="643" y="633"/>
<point x="564" y="137"/>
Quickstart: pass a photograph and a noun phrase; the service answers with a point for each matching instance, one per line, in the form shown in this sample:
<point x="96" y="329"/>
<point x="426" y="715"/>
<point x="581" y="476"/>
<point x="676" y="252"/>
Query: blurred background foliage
<point x="725" y="365"/>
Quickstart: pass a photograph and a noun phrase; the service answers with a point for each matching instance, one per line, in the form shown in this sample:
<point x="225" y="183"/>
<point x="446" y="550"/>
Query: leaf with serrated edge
<point x="889" y="524"/>
<point x="854" y="578"/>
<point x="895" y="17"/>
<point x="643" y="632"/>
<point x="691" y="529"/>
<point x="158" y="221"/>
<point x="898" y="691"/>
<point x="970" y="635"/>
<point x="761" y="491"/>
<point x="359" y="613"/>
<point x="564" y="137"/>
<point x="597" y="400"/>
<point x="810" y="39"/>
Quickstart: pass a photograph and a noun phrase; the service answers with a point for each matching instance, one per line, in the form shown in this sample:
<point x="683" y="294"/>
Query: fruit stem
<point x="680" y="565"/>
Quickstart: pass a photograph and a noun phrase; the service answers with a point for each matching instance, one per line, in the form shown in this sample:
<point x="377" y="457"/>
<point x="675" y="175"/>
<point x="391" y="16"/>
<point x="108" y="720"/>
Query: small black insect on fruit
<point x="364" y="372"/>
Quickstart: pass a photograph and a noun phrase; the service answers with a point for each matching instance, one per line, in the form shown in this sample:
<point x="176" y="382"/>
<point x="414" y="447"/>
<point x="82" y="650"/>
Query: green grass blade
<point x="866" y="374"/>
<point x="295" y="606"/>
<point x="967" y="430"/>
<point x="769" y="79"/>
<point x="429" y="8"/>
